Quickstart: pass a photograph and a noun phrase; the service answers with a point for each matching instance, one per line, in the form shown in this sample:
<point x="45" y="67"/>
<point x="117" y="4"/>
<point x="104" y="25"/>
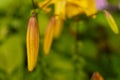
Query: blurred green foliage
<point x="96" y="47"/>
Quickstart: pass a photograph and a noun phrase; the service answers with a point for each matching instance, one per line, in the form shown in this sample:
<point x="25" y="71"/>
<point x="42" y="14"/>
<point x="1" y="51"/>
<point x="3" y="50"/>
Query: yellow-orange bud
<point x="32" y="42"/>
<point x="49" y="36"/>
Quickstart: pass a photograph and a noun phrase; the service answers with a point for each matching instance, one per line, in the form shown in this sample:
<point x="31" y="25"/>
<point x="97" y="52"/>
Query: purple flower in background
<point x="101" y="4"/>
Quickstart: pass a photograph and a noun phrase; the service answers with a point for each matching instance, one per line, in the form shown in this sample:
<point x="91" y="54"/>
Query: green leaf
<point x="11" y="54"/>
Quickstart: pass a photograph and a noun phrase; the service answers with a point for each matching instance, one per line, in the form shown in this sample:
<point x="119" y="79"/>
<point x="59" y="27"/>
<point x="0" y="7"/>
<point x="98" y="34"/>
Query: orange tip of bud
<point x="96" y="76"/>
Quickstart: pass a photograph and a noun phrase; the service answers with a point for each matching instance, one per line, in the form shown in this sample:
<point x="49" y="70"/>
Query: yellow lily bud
<point x="32" y="42"/>
<point x="111" y="22"/>
<point x="49" y="36"/>
<point x="96" y="76"/>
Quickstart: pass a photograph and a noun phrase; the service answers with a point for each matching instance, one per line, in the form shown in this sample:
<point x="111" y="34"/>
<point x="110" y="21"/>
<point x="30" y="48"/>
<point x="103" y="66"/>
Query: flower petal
<point x="73" y="10"/>
<point x="91" y="8"/>
<point x="60" y="9"/>
<point x="86" y="6"/>
<point x="44" y="5"/>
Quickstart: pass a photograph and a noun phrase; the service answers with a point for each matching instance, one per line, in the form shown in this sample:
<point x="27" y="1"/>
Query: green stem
<point x="33" y="4"/>
<point x="76" y="52"/>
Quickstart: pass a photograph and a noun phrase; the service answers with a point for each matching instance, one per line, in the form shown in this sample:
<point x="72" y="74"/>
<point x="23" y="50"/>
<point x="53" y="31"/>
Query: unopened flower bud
<point x="49" y="36"/>
<point x="111" y="22"/>
<point x="32" y="42"/>
<point x="96" y="76"/>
